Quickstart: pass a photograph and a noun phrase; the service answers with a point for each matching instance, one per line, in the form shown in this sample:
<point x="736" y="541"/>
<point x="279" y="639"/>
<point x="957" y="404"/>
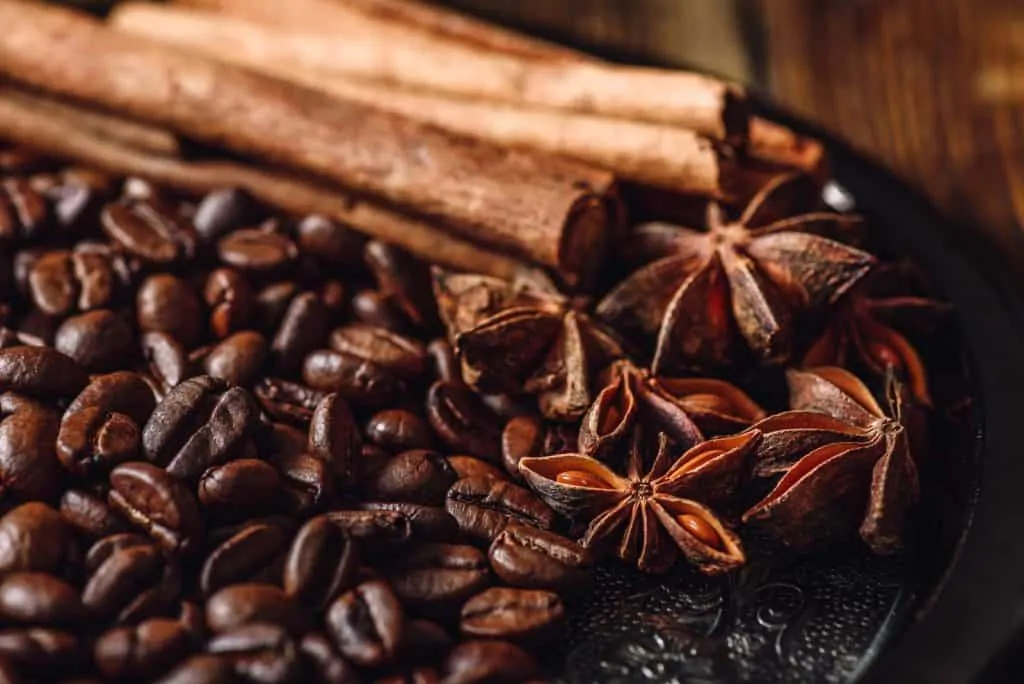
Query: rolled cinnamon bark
<point x="62" y="131"/>
<point x="543" y="208"/>
<point x="776" y="144"/>
<point x="695" y="101"/>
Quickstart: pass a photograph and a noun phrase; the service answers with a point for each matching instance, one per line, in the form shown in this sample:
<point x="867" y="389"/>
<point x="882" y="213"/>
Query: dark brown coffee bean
<point x="24" y="213"/>
<point x="105" y="548"/>
<point x="438" y="578"/>
<point x="50" y="280"/>
<point x="366" y="624"/>
<point x="334" y="439"/>
<point x="168" y="304"/>
<point x="416" y="476"/>
<point x="33" y="537"/>
<point x="165" y="359"/>
<point x="404" y="279"/>
<point x="92" y="440"/>
<point x="98" y="340"/>
<point x="424" y="641"/>
<point x="41" y="652"/>
<point x="243" y="604"/>
<point x="121" y="391"/>
<point x="29" y="467"/>
<point x="398" y="430"/>
<point x="443" y="361"/>
<point x="374" y="530"/>
<point x="328" y="666"/>
<point x="482" y="507"/>
<point x="259" y="653"/>
<point x="470" y="466"/>
<point x="37" y="329"/>
<point x="199" y="425"/>
<point x="303" y="328"/>
<point x="141" y="652"/>
<point x="336" y="244"/>
<point x="375" y="309"/>
<point x="145" y="229"/>
<point x="284" y="400"/>
<point x="40" y="599"/>
<point x="463" y="422"/>
<point x="322" y="562"/>
<point x="40" y="372"/>
<point x="271" y="303"/>
<point x="231" y="301"/>
<point x="245" y="486"/>
<point x="308" y="482"/>
<point x="256" y="553"/>
<point x="156" y="502"/>
<point x="489" y="662"/>
<point x="90" y="515"/>
<point x="128" y="582"/>
<point x="402" y="356"/>
<point x="285" y="441"/>
<point x="428" y="523"/>
<point x="202" y="669"/>
<point x="257" y="251"/>
<point x="357" y="380"/>
<point x="520" y="615"/>
<point x="223" y="211"/>
<point x="237" y="360"/>
<point x="528" y="557"/>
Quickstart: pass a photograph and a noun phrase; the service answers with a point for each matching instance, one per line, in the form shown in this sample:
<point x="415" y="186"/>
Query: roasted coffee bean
<point x="237" y="360"/>
<point x="244" y="604"/>
<point x="489" y="662"/>
<point x="322" y="562"/>
<point x="482" y="507"/>
<point x="256" y="251"/>
<point x="438" y="578"/>
<point x="284" y="400"/>
<point x="285" y="441"/>
<point x="132" y="584"/>
<point x="199" y="424"/>
<point x="374" y="530"/>
<point x="39" y="599"/>
<point x="328" y="666"/>
<point x="33" y="537"/>
<point x="424" y="641"/>
<point x="164" y="303"/>
<point x="259" y="653"/>
<point x="308" y="482"/>
<point x="231" y="301"/>
<point x="145" y="229"/>
<point x="303" y="328"/>
<point x="443" y="361"/>
<point x="463" y="422"/>
<point x="428" y="523"/>
<point x="336" y="244"/>
<point x="334" y="439"/>
<point x="60" y="282"/>
<point x="92" y="440"/>
<point x="37" y="329"/>
<point x="224" y="210"/>
<point x="404" y="279"/>
<point x="29" y="467"/>
<point x="416" y="476"/>
<point x="41" y="652"/>
<point x="240" y="487"/>
<point x="166" y="360"/>
<point x="98" y="340"/>
<point x="363" y="382"/>
<point x="470" y="466"/>
<point x="528" y="557"/>
<point x="40" y="372"/>
<point x="202" y="669"/>
<point x="90" y="515"/>
<point x="402" y="356"/>
<point x="24" y="213"/>
<point x="105" y="548"/>
<point x="121" y="391"/>
<point x="376" y="309"/>
<point x="193" y="621"/>
<point x="398" y="430"/>
<point x="256" y="553"/>
<point x="366" y="624"/>
<point x="520" y="615"/>
<point x="271" y="303"/>
<point x="155" y="501"/>
<point x="141" y="652"/>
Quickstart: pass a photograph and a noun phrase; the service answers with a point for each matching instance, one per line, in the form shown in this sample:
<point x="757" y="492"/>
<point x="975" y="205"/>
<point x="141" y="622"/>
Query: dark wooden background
<point x="932" y="88"/>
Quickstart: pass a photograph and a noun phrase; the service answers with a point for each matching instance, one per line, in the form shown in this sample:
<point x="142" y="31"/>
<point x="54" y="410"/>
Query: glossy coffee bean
<point x="98" y="340"/>
<point x="256" y="251"/>
<point x="44" y="653"/>
<point x="464" y="423"/>
<point x="92" y="440"/>
<point x="327" y="665"/>
<point x="39" y="599"/>
<point x="90" y="515"/>
<point x="256" y="553"/>
<point x="525" y="556"/>
<point x="443" y="362"/>
<point x="34" y="537"/>
<point x="121" y="391"/>
<point x="482" y="507"/>
<point x="374" y="531"/>
<point x="237" y="359"/>
<point x="259" y="653"/>
<point x="490" y="662"/>
<point x="156" y="502"/>
<point x="520" y="615"/>
<point x="358" y="380"/>
<point x="201" y="669"/>
<point x="287" y="401"/>
<point x="336" y="244"/>
<point x="240" y="487"/>
<point x="428" y="523"/>
<point x="402" y="356"/>
<point x="322" y="562"/>
<point x="377" y="309"/>
<point x="167" y="304"/>
<point x="398" y="430"/>
<point x="29" y="467"/>
<point x="230" y="300"/>
<point x="334" y="439"/>
<point x="470" y="466"/>
<point x="302" y="329"/>
<point x="248" y="603"/>
<point x="404" y="279"/>
<point x="145" y="229"/>
<point x="417" y="476"/>
<point x="61" y="282"/>
<point x="132" y="583"/>
<point x="141" y="652"/>
<point x="165" y="359"/>
<point x="224" y="210"/>
<point x="438" y="578"/>
<point x="308" y="482"/>
<point x="366" y="624"/>
<point x="424" y="641"/>
<point x="40" y="372"/>
<point x="25" y="215"/>
<point x="103" y="549"/>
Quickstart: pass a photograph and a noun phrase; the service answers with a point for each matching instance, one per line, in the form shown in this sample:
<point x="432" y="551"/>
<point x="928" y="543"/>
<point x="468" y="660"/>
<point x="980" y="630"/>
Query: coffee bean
<point x="121" y="391"/>
<point x="376" y="309"/>
<point x="463" y="422"/>
<point x="156" y="502"/>
<point x="244" y="604"/>
<point x="133" y="583"/>
<point x="90" y="515"/>
<point x="60" y="282"/>
<point x="237" y="360"/>
<point x="105" y="548"/>
<point x="363" y="382"/>
<point x="166" y="360"/>
<point x="424" y="641"/>
<point x="438" y="578"/>
<point x="308" y="482"/>
<point x="168" y="304"/>
<point x="469" y="466"/>
<point x="146" y="229"/>
<point x="231" y="301"/>
<point x="303" y="328"/>
<point x="366" y="624"/>
<point x="374" y="530"/>
<point x="98" y="340"/>
<point x="201" y="669"/>
<point x="482" y="507"/>
<point x="40" y="372"/>
<point x="193" y="621"/>
<point x="24" y="213"/>
<point x="328" y="666"/>
<point x="285" y="441"/>
<point x="336" y="244"/>
<point x="443" y="361"/>
<point x="416" y="476"/>
<point x="256" y="251"/>
<point x="398" y="430"/>
<point x="240" y="487"/>
<point x="428" y="523"/>
<point x="42" y="653"/>
<point x="92" y="440"/>
<point x="403" y="356"/>
<point x="33" y="537"/>
<point x="322" y="562"/>
<point x="39" y="599"/>
<point x="528" y="557"/>
<point x="224" y="210"/>
<point x="287" y="401"/>
<point x="36" y="328"/>
<point x="256" y="553"/>
<point x="489" y="662"/>
<point x="259" y="653"/>
<point x="520" y="615"/>
<point x="141" y="652"/>
<point x="29" y="467"/>
<point x="334" y="439"/>
<point x="404" y="279"/>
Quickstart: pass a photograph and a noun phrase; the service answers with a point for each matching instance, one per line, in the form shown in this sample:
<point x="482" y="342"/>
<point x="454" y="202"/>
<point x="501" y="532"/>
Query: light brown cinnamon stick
<point x="776" y="144"/>
<point x="417" y="61"/>
<point x="546" y="209"/>
<point x="62" y="130"/>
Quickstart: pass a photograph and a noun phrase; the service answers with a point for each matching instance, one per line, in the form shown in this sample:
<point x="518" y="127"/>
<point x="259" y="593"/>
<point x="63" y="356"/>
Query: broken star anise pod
<point x="651" y="516"/>
<point x="524" y="337"/>
<point x="702" y="290"/>
<point x="858" y="470"/>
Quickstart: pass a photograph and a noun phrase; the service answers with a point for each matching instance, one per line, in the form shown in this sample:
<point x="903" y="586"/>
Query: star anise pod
<point x="651" y="517"/>
<point x="858" y="471"/>
<point x="751" y="276"/>
<point x="524" y="337"/>
<point x="860" y="331"/>
<point x="685" y="409"/>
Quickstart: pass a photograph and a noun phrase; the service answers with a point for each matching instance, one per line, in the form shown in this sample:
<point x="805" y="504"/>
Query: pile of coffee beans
<point x="235" y="447"/>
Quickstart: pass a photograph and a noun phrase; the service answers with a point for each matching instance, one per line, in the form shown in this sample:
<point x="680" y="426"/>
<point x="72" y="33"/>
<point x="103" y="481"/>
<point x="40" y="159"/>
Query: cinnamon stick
<point x="417" y="61"/>
<point x="552" y="211"/>
<point x="779" y="145"/>
<point x="62" y="131"/>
